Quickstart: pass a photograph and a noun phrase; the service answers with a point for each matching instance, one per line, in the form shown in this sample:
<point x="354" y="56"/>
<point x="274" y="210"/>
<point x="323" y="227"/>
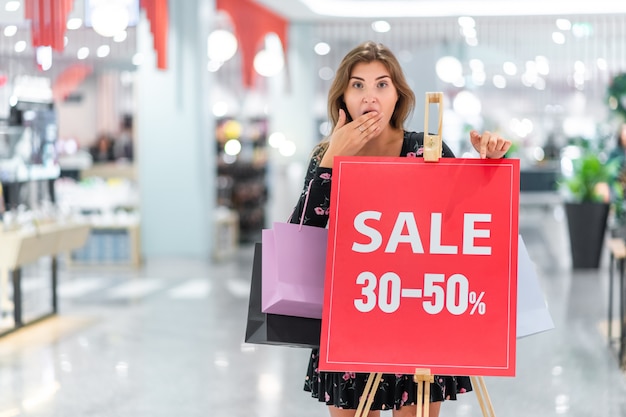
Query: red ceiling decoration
<point x="252" y="22"/>
<point x="48" y="21"/>
<point x="157" y="13"/>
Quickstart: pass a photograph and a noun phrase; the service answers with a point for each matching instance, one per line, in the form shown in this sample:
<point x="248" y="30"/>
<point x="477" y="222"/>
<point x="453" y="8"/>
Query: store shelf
<point x="26" y="245"/>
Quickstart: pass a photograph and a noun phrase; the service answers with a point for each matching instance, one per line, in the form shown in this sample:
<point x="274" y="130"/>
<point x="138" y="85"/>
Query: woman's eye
<point x="383" y="84"/>
<point x="357" y="84"/>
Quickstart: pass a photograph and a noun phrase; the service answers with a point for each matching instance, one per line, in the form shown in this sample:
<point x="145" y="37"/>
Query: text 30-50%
<point x="452" y="293"/>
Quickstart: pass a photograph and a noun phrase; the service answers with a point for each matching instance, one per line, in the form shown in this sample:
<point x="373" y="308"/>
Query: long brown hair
<point x="365" y="53"/>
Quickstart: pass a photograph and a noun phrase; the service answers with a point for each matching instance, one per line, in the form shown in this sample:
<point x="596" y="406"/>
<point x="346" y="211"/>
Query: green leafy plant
<point x="590" y="171"/>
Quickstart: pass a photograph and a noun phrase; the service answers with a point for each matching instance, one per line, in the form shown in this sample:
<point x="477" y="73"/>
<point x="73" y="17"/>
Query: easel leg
<point x="478" y="382"/>
<point x="423" y="378"/>
<point x="487" y="398"/>
<point x="371" y="386"/>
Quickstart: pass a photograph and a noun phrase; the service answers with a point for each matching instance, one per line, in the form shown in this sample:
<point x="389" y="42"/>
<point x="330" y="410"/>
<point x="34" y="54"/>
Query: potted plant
<point x="590" y="191"/>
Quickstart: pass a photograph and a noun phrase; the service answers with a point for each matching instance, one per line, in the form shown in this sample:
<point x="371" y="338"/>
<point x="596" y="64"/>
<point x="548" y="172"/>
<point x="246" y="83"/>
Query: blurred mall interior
<point x="145" y="144"/>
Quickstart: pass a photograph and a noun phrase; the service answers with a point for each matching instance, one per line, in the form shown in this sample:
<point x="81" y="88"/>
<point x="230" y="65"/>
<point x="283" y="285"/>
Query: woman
<point x="369" y="102"/>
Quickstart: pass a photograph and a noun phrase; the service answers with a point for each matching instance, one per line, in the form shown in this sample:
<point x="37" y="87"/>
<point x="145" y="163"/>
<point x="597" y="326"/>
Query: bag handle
<point x="306" y="201"/>
<point x="308" y="190"/>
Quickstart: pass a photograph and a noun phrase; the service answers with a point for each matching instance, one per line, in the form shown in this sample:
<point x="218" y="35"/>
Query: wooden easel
<point x="478" y="382"/>
<point x="423" y="378"/>
<point x="432" y="143"/>
<point x="365" y="402"/>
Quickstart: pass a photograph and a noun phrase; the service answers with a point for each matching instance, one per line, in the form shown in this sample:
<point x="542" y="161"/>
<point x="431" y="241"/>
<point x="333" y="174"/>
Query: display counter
<point x="110" y="243"/>
<point x="26" y="245"/>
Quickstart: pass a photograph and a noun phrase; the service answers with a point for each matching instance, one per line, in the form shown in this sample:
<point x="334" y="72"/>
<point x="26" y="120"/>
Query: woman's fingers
<point x="368" y="123"/>
<point x="489" y="144"/>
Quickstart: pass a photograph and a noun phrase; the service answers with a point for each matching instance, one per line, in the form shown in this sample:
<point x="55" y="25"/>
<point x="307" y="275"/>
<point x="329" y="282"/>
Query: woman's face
<point x="370" y="89"/>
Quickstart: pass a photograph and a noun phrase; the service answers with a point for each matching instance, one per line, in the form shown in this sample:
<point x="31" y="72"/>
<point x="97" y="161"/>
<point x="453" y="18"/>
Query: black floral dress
<point x="343" y="389"/>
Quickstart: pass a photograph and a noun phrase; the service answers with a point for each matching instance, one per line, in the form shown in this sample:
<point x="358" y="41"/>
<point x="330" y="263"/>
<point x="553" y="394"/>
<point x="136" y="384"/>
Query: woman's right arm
<point x="317" y="183"/>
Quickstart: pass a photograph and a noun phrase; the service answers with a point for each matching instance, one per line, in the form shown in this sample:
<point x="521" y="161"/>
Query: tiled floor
<point x="167" y="340"/>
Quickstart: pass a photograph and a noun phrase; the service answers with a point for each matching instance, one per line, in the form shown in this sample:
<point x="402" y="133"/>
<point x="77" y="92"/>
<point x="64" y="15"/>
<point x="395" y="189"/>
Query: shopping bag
<point x="294" y="264"/>
<point x="533" y="315"/>
<point x="273" y="329"/>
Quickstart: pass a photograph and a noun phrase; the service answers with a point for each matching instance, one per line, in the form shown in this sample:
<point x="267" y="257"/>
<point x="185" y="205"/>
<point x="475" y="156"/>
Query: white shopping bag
<point x="533" y="315"/>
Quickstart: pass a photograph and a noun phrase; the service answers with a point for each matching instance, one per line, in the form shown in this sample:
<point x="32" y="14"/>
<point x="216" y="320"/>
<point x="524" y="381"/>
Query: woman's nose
<point x="369" y="98"/>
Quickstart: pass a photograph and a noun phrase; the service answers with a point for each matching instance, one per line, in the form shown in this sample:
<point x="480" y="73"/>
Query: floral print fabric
<point x="343" y="389"/>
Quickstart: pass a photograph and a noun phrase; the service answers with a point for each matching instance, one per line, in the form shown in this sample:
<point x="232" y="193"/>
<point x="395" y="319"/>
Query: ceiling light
<point x="509" y="68"/>
<point x="120" y="36"/>
<point x="466" y="22"/>
<point x="220" y="109"/>
<point x="103" y="50"/>
<point x="12" y="6"/>
<point x="521" y="128"/>
<point x="542" y="65"/>
<point x="268" y="64"/>
<point x="287" y="148"/>
<point x="579" y="66"/>
<point x="563" y="24"/>
<point x="74" y="23"/>
<point x="270" y="60"/>
<point x="276" y="139"/>
<point x="10" y="31"/>
<point x="232" y="147"/>
<point x="321" y="48"/>
<point x="499" y="81"/>
<point x="20" y="46"/>
<point x="467" y="104"/>
<point x="110" y="18"/>
<point x="221" y="45"/>
<point x="540" y="84"/>
<point x="82" y="53"/>
<point x="449" y="69"/>
<point x="529" y="79"/>
<point x="381" y="26"/>
<point x="558" y="38"/>
<point x="476" y="64"/>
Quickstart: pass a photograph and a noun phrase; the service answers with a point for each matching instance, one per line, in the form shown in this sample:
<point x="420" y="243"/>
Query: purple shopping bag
<point x="276" y="329"/>
<point x="294" y="263"/>
<point x="293" y="268"/>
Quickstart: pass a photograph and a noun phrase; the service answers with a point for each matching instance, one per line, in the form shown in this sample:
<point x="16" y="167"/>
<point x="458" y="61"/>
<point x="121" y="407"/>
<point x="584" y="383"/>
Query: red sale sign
<point x="421" y="266"/>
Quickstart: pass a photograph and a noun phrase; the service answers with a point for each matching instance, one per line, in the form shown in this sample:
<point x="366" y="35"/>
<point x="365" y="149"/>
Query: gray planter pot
<point x="586" y="224"/>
